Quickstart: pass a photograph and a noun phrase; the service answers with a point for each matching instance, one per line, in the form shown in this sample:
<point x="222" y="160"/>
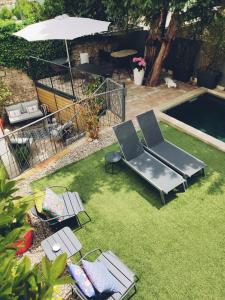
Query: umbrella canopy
<point x="62" y="28"/>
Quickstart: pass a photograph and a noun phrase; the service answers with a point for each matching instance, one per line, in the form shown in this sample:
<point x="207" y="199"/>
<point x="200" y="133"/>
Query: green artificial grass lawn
<point x="177" y="250"/>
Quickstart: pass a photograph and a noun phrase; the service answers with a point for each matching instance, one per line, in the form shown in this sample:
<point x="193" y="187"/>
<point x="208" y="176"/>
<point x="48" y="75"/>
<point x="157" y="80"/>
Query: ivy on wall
<point x="14" y="51"/>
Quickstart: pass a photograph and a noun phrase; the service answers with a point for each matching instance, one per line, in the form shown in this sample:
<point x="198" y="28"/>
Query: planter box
<point x="208" y="79"/>
<point x="181" y="74"/>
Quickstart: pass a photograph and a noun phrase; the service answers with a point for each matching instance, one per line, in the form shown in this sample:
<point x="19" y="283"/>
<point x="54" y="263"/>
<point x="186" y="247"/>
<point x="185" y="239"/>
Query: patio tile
<point x="142" y="98"/>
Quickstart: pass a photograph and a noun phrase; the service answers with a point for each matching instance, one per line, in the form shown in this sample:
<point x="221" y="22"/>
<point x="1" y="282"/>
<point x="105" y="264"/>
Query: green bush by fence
<point x="14" y="51"/>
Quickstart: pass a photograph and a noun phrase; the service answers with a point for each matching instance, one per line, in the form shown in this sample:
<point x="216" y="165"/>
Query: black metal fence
<point x="57" y="77"/>
<point x="31" y="144"/>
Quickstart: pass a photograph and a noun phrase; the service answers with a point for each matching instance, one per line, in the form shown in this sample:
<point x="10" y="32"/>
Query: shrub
<point x="14" y="51"/>
<point x="4" y="96"/>
<point x="5" y="13"/>
<point x="19" y="280"/>
<point x="25" y="9"/>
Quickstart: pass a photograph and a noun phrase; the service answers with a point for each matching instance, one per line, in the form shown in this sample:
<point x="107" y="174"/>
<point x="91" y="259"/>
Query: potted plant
<point x="4" y="96"/>
<point x="138" y="65"/>
<point x="90" y="119"/>
<point x="212" y="53"/>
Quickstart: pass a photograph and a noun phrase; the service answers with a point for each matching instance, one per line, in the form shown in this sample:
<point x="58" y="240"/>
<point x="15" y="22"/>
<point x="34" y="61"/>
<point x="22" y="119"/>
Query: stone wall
<point x="20" y="85"/>
<point x="92" y="48"/>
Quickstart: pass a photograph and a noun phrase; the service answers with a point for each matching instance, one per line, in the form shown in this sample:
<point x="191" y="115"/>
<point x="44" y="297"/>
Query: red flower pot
<point x="2" y="122"/>
<point x="24" y="243"/>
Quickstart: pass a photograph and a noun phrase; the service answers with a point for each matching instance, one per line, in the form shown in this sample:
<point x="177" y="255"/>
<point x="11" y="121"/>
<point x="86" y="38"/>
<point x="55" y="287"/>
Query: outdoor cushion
<point x="38" y="200"/>
<point x="14" y="113"/>
<point x="100" y="277"/>
<point x="13" y="107"/>
<point x="31" y="109"/>
<point x="52" y="204"/>
<point x="82" y="280"/>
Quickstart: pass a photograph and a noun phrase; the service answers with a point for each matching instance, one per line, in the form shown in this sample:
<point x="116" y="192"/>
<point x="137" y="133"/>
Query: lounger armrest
<point x="38" y="215"/>
<point x="89" y="253"/>
<point x="59" y="186"/>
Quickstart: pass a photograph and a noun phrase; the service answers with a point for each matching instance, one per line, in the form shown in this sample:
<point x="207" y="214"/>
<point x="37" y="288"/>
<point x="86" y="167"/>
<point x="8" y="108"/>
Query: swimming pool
<point x="205" y="112"/>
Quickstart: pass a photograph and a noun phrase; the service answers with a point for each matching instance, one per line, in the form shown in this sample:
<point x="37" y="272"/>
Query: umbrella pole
<point x="68" y="55"/>
<point x="68" y="58"/>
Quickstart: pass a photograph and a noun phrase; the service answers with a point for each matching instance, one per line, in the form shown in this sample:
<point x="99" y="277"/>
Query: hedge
<point x="14" y="51"/>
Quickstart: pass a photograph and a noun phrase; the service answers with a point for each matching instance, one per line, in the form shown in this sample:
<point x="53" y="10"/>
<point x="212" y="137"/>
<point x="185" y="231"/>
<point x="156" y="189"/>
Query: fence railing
<point x="31" y="144"/>
<point x="71" y="83"/>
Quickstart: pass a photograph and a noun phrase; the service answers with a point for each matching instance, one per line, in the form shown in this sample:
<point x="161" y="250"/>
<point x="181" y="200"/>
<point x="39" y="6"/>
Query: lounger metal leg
<point x="184" y="186"/>
<point x="78" y="221"/>
<point x="203" y="172"/>
<point x="162" y="195"/>
<point x="87" y="216"/>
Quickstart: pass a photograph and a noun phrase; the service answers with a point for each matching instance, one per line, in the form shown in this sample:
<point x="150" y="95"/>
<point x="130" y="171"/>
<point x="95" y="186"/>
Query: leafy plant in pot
<point x="138" y="66"/>
<point x="212" y="53"/>
<point x="89" y="118"/>
<point x="4" y="96"/>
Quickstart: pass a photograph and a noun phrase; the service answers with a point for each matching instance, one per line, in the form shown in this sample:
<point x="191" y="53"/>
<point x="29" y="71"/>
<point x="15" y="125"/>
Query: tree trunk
<point x="164" y="50"/>
<point x="153" y="42"/>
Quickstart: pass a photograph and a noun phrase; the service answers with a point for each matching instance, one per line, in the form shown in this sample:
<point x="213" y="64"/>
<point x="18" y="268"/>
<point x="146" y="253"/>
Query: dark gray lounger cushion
<point x="150" y="128"/>
<point x="128" y="140"/>
<point x="181" y="160"/>
<point x="161" y="176"/>
<point x="124" y="277"/>
<point x="169" y="153"/>
<point x="145" y="164"/>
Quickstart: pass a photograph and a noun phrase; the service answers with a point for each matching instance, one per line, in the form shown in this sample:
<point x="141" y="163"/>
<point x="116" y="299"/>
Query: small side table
<point x="68" y="242"/>
<point x="111" y="159"/>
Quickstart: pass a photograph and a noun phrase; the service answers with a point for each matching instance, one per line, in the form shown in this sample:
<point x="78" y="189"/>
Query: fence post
<point x="123" y="115"/>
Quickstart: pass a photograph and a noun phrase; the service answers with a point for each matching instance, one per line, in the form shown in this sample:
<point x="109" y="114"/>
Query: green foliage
<point x="14" y="51"/>
<point x="4" y="96"/>
<point x="22" y="154"/>
<point x="19" y="280"/>
<point x="25" y="9"/>
<point x="5" y="13"/>
<point x="122" y="13"/>
<point x="92" y="86"/>
<point x="52" y="8"/>
<point x="213" y="48"/>
<point x="87" y="8"/>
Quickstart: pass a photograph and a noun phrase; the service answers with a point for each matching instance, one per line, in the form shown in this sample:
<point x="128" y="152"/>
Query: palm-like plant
<point x="19" y="279"/>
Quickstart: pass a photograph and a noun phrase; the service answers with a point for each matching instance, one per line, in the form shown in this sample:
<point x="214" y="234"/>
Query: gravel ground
<point x="77" y="151"/>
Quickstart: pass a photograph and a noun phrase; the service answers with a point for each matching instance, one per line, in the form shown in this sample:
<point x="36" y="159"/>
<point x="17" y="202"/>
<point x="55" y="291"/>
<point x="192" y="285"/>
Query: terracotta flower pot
<point x="24" y="243"/>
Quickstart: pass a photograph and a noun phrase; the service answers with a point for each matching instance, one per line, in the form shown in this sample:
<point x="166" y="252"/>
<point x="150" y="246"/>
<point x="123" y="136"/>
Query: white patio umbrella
<point x="62" y="28"/>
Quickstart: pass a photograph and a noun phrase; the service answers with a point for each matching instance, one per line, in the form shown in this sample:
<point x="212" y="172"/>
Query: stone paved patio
<point x="143" y="98"/>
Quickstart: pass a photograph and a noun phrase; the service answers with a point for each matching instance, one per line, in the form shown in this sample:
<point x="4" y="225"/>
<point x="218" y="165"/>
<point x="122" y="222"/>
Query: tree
<point x="155" y="14"/>
<point x="86" y="8"/>
<point x="25" y="9"/>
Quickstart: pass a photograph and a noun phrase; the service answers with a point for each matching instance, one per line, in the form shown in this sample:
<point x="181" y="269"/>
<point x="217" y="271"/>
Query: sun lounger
<point x="182" y="162"/>
<point x="162" y="177"/>
<point x="73" y="207"/>
<point x="125" y="278"/>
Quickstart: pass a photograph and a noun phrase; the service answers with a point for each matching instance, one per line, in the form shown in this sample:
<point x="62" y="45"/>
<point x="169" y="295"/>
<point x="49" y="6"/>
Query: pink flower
<point x="135" y="59"/>
<point x="140" y="61"/>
